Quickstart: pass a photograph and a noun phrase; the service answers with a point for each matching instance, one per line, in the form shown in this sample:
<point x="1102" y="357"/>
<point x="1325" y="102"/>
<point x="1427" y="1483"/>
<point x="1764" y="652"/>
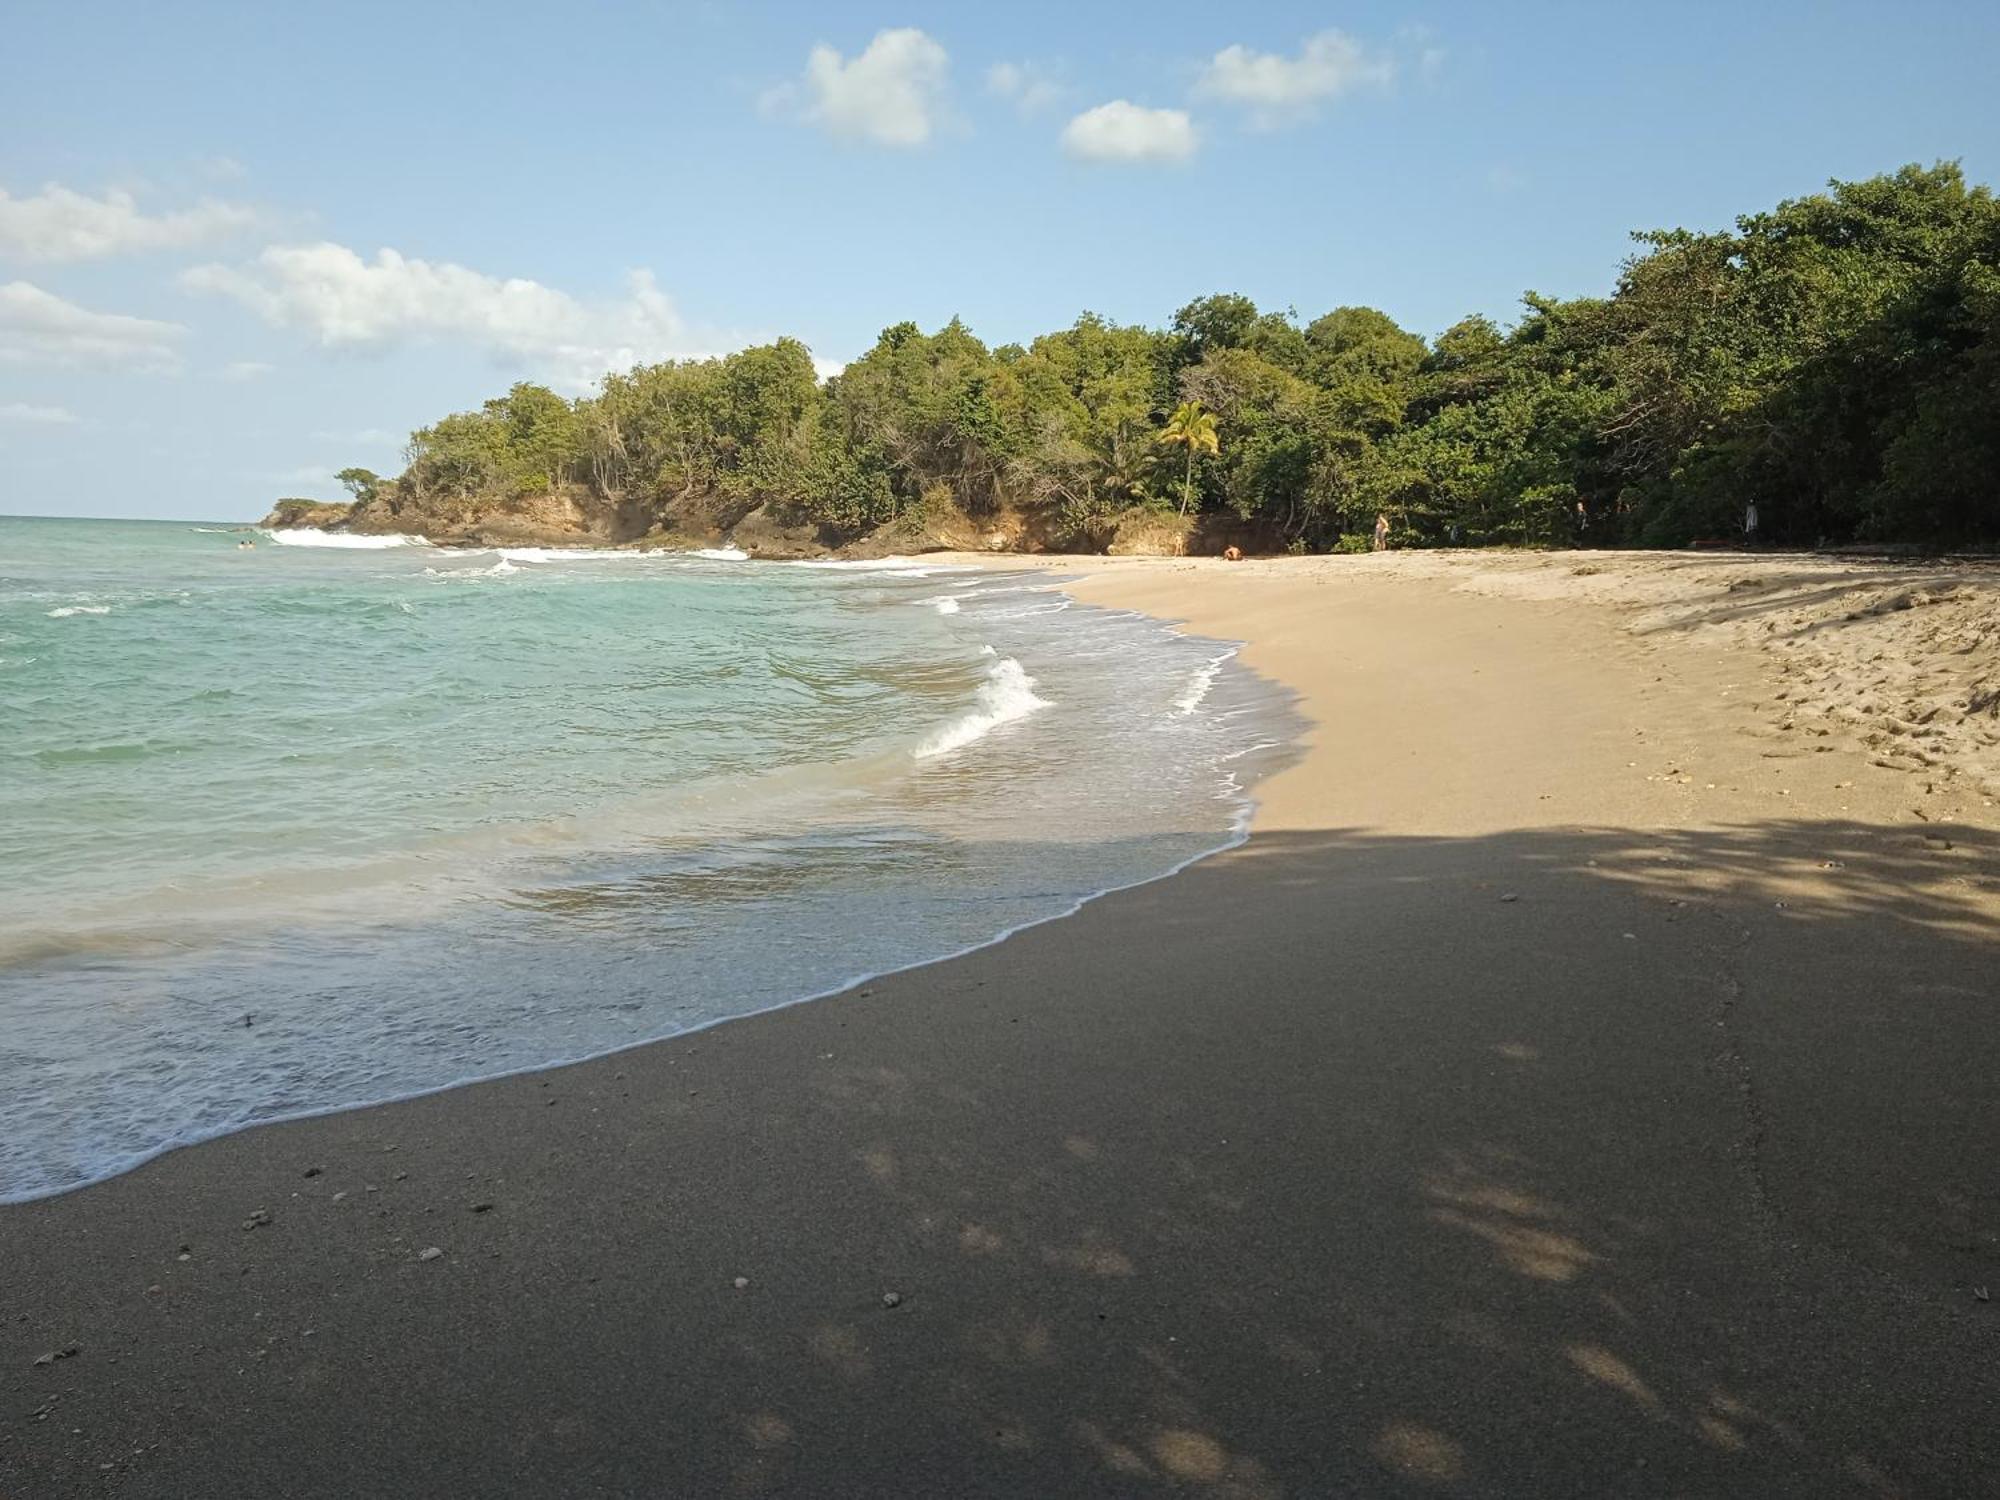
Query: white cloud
<point x="891" y="94"/>
<point x="1126" y="132"/>
<point x="1030" y="86"/>
<point x="342" y="301"/>
<point x="58" y="224"/>
<point x="42" y="416"/>
<point x="247" y="369"/>
<point x="38" y="327"/>
<point x="1282" y="90"/>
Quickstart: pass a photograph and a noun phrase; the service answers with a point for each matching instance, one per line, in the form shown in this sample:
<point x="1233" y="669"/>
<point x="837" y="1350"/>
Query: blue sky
<point x="245" y="245"/>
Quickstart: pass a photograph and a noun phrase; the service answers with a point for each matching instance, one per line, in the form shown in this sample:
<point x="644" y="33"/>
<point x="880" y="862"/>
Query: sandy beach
<point x="1584" y="1081"/>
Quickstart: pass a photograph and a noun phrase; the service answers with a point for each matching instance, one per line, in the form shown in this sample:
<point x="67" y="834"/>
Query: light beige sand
<point x="1899" y="662"/>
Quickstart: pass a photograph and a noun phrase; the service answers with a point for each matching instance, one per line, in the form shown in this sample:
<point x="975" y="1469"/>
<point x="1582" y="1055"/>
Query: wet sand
<point x="1584" y="1081"/>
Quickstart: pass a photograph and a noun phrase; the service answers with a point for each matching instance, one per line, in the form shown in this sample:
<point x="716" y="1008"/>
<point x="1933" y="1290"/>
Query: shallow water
<point x="306" y="826"/>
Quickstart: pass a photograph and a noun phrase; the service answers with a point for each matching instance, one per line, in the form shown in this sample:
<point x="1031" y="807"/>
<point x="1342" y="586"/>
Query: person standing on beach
<point x="1750" y="523"/>
<point x="1381" y="531"/>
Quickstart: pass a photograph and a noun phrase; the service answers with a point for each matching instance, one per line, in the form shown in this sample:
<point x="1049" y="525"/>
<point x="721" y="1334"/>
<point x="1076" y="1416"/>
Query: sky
<point x="244" y="246"/>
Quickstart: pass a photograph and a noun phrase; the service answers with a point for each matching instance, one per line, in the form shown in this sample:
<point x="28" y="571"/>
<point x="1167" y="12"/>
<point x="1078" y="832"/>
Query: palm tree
<point x="1194" y="430"/>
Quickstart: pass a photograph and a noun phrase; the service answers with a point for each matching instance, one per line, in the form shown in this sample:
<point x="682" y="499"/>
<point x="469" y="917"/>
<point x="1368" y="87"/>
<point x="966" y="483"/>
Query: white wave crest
<point x="1007" y="694"/>
<point x="79" y="609"/>
<point x="721" y="554"/>
<point x="1191" y="696"/>
<point x="312" y="536"/>
<point x="888" y="567"/>
<point x="944" y="604"/>
<point x="500" y="569"/>
<point x="567" y="554"/>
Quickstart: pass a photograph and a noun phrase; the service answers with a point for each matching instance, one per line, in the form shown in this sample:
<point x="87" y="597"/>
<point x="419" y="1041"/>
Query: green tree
<point x="1192" y="429"/>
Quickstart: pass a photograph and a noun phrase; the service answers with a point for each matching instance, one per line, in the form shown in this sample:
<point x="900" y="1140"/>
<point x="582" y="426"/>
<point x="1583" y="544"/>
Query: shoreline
<point x="1491" y="1121"/>
<point x="1159" y="864"/>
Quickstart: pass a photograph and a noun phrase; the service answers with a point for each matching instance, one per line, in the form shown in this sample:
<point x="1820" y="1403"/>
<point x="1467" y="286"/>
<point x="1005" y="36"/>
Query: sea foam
<point x="79" y="609"/>
<point x="312" y="536"/>
<point x="1192" y="696"/>
<point x="1007" y="694"/>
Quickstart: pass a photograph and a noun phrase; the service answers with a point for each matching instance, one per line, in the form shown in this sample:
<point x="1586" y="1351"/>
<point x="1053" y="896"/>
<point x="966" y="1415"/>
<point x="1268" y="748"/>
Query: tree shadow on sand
<point x="1554" y="1162"/>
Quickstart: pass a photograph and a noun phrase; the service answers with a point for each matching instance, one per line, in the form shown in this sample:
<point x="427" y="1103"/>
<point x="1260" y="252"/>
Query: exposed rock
<point x="1149" y="533"/>
<point x="577" y="516"/>
<point x="764" y="535"/>
<point x="326" y="515"/>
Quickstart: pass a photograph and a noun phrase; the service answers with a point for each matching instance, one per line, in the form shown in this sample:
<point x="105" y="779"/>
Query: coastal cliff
<point x="574" y="516"/>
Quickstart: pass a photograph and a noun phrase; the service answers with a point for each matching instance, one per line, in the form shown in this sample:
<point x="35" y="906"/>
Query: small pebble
<point x="312" y="1171"/>
<point x="1510" y="896"/>
<point x="741" y="1282"/>
<point x="892" y="1299"/>
<point x="432" y="1253"/>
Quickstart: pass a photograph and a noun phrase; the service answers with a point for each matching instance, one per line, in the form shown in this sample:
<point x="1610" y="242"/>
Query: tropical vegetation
<point x="1833" y="362"/>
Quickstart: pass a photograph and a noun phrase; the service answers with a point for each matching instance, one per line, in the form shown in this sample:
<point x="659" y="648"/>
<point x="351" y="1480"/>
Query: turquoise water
<point x="289" y="828"/>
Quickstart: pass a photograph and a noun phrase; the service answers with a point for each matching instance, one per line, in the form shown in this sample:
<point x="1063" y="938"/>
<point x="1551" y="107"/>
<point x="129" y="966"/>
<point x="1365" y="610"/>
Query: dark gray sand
<point x="1588" y="1161"/>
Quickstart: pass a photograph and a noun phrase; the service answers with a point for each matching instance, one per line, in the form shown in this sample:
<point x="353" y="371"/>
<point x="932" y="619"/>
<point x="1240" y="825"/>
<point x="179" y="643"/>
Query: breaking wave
<point x="1007" y="694"/>
<point x="312" y="536"/>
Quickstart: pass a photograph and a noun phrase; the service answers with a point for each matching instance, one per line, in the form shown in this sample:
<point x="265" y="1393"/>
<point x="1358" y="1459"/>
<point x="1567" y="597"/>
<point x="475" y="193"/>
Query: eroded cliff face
<point x="321" y="515"/>
<point x="577" y="517"/>
<point x="570" y="517"/>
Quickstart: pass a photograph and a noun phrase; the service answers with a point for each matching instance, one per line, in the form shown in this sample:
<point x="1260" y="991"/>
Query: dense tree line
<point x="1834" y="362"/>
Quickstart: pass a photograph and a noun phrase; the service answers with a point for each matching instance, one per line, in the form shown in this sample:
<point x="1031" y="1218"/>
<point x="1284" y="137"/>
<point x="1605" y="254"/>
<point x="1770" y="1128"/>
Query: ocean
<point x="326" y="821"/>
